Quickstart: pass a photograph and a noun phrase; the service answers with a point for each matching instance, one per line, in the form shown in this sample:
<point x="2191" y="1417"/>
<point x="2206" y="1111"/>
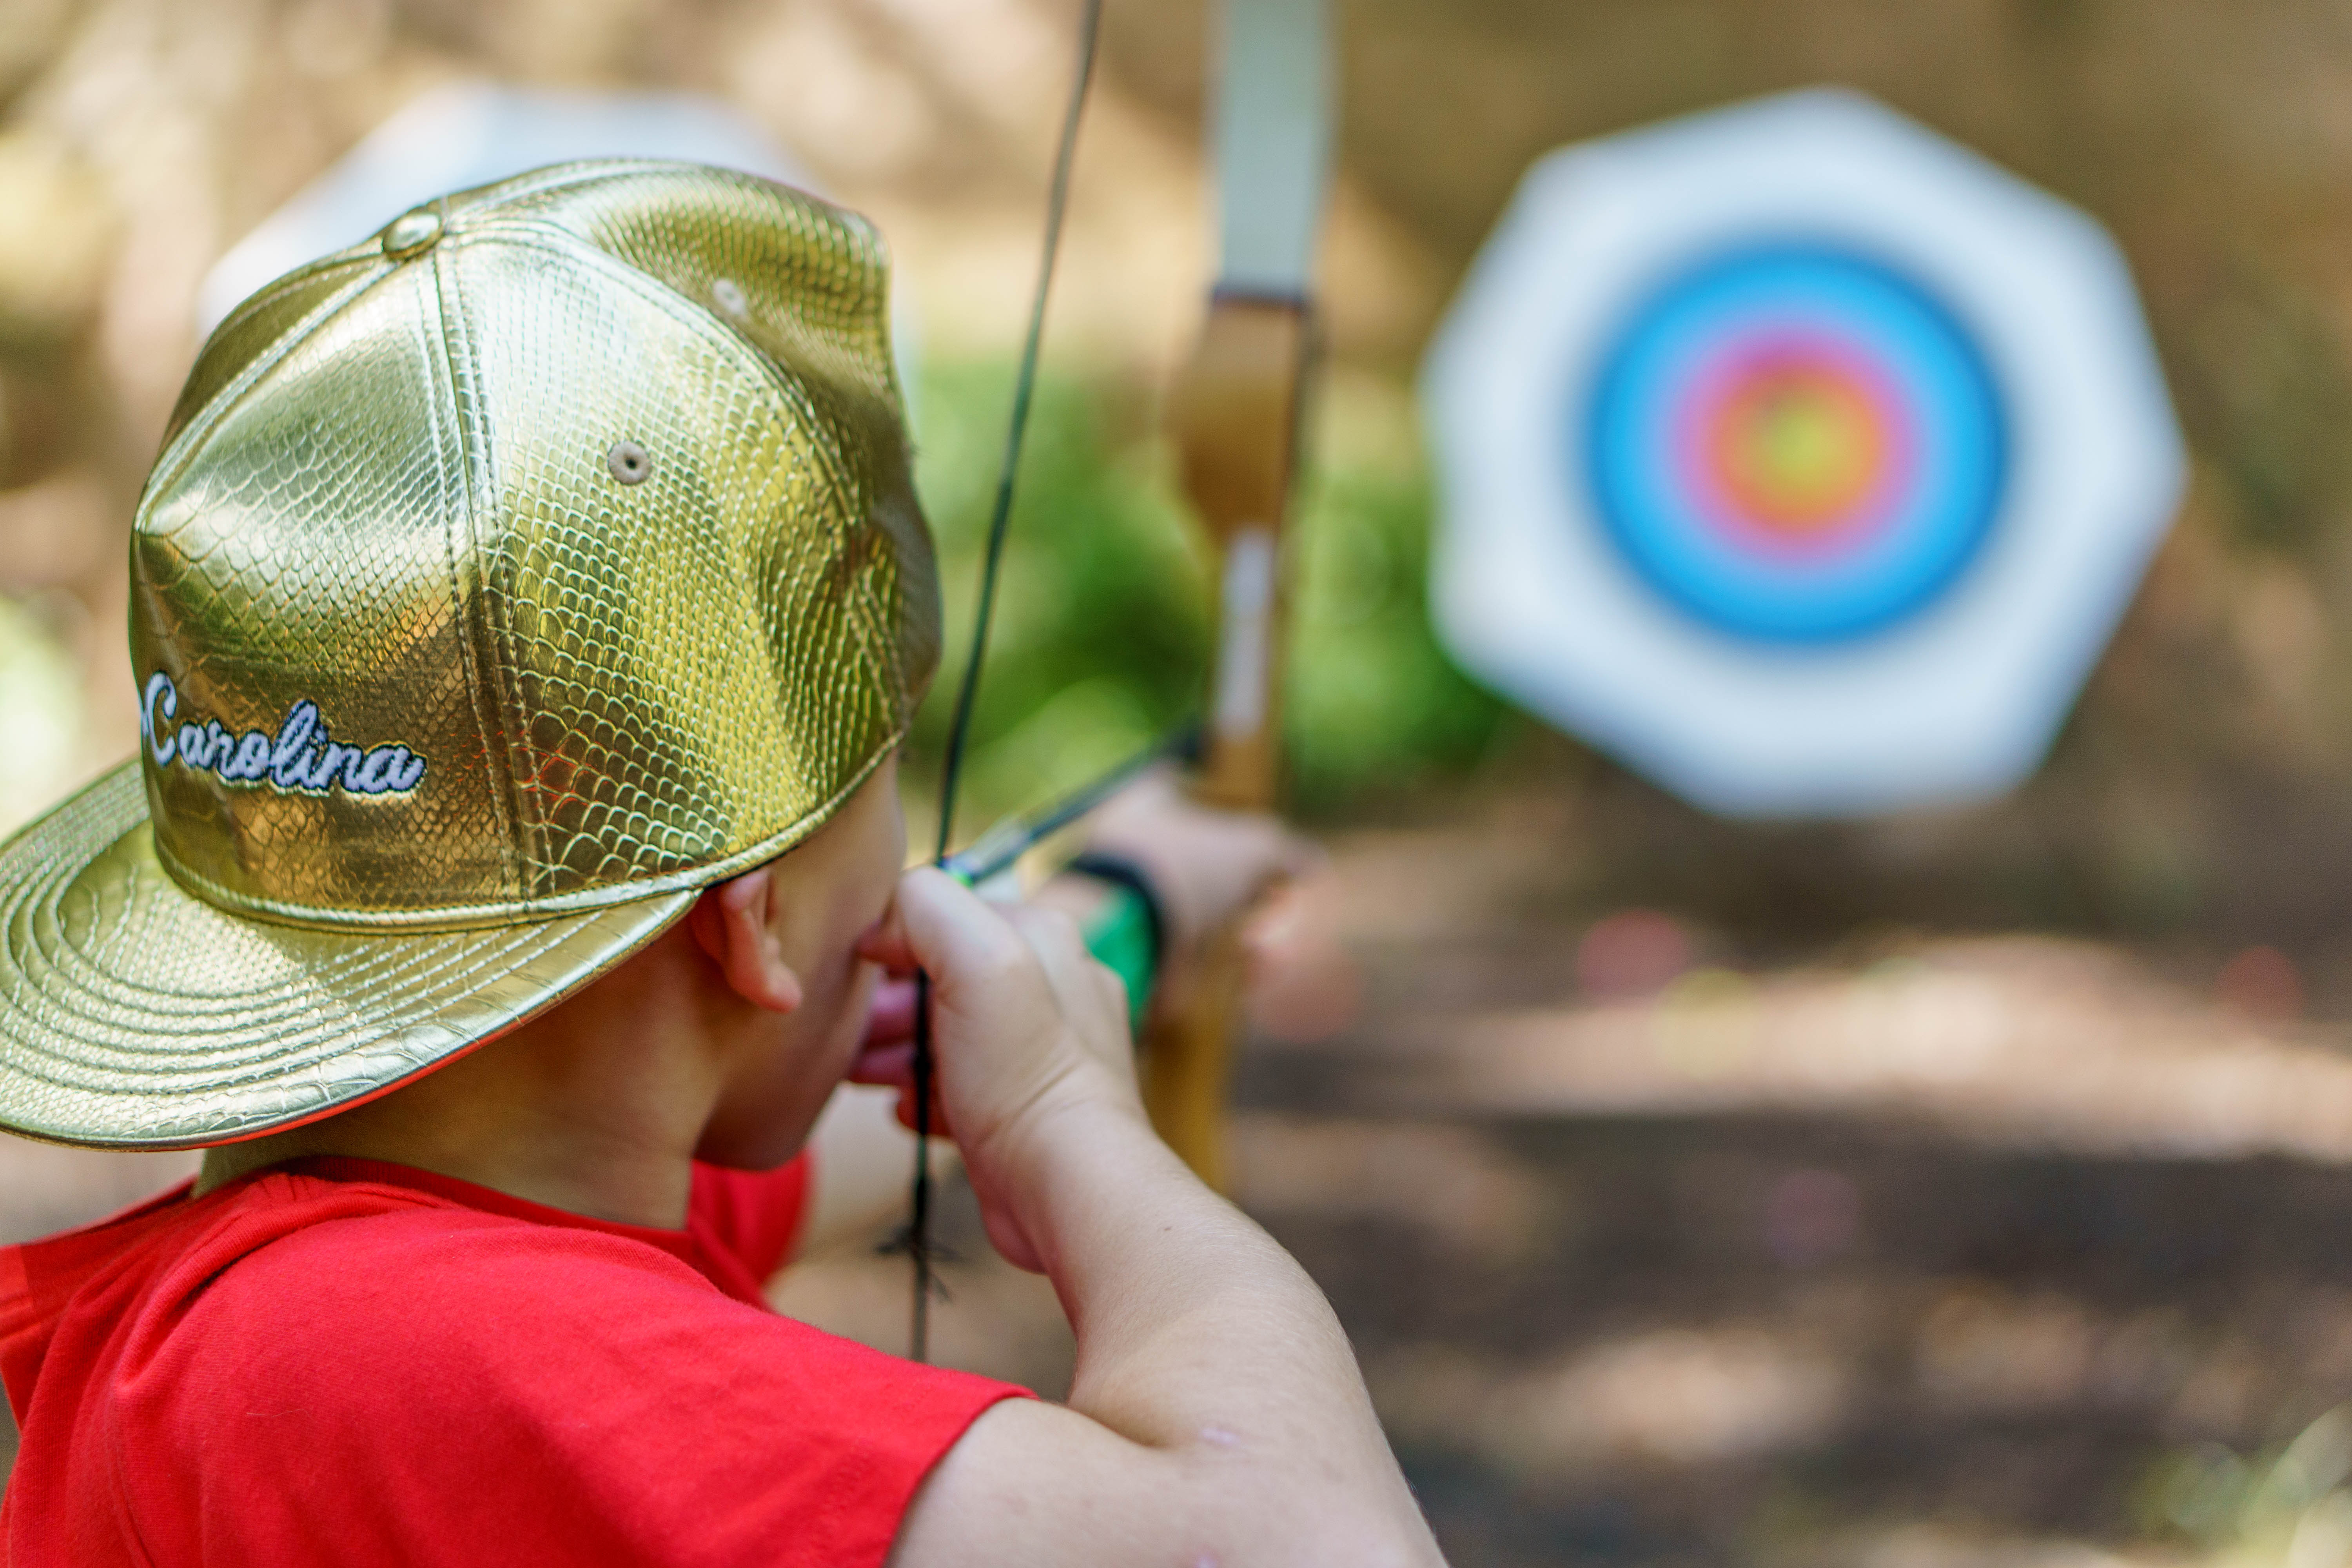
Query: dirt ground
<point x="1913" y="1250"/>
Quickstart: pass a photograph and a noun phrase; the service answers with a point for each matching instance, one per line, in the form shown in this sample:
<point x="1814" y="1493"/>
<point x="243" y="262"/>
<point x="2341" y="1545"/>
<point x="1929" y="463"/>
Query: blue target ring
<point x="1796" y="443"/>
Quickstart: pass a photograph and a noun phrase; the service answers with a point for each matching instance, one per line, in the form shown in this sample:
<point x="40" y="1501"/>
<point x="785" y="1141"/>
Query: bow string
<point x="1235" y="416"/>
<point x="918" y="1228"/>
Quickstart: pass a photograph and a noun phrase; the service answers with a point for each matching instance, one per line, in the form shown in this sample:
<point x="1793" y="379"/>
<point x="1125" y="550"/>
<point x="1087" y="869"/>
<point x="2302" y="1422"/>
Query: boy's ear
<point x="729" y="923"/>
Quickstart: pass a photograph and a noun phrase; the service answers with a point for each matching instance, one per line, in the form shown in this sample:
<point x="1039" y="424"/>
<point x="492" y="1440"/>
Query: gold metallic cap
<point x="504" y="580"/>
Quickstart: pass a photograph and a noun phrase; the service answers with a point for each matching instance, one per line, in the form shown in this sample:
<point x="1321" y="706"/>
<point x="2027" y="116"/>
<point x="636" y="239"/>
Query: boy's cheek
<point x="843" y="1030"/>
<point x="857" y="1017"/>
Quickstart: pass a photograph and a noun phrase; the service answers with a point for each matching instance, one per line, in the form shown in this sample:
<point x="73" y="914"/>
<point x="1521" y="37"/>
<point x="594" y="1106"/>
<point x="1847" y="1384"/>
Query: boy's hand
<point x="1208" y="866"/>
<point x="1028" y="1030"/>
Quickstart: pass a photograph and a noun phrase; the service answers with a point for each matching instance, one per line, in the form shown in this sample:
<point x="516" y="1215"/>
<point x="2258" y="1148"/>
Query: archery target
<point x="1795" y="444"/>
<point x="1797" y="456"/>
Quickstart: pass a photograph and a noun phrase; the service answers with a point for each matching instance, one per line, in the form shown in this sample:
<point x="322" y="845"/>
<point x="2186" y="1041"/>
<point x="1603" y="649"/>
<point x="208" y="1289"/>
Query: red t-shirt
<point x="338" y="1361"/>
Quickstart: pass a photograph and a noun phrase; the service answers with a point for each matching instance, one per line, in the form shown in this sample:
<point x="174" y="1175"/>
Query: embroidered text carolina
<point x="300" y="757"/>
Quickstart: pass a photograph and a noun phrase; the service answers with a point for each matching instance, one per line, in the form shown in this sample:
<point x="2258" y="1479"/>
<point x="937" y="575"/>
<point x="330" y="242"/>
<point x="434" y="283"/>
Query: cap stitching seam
<point x="465" y="408"/>
<point x="528" y="839"/>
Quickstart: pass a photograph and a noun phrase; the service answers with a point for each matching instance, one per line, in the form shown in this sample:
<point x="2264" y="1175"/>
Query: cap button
<point x="412" y="232"/>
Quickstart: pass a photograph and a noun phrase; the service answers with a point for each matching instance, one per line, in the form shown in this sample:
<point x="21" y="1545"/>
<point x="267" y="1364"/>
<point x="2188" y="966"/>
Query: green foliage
<point x="1101" y="639"/>
<point x="2285" y="1508"/>
<point x="1375" y="711"/>
<point x="1101" y="623"/>
<point x="2261" y="381"/>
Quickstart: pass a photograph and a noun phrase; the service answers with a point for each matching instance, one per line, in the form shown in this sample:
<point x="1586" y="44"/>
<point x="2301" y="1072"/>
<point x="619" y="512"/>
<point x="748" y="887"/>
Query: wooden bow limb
<point x="1235" y="414"/>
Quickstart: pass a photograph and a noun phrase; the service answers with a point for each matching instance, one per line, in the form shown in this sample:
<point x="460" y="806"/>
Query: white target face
<point x="1800" y="457"/>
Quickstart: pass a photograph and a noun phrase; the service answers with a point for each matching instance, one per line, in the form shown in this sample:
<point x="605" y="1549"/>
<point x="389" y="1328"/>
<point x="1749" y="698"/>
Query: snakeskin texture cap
<point x="504" y="581"/>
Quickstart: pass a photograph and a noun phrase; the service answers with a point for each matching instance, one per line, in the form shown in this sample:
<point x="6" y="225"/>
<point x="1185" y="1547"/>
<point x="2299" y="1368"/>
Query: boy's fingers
<point x="933" y="921"/>
<point x="951" y="932"/>
<point x="1301" y="856"/>
<point x="892" y="1067"/>
<point x="1280" y="855"/>
<point x="883" y="1067"/>
<point x="1088" y="995"/>
<point x="905" y="1112"/>
<point x="885" y="942"/>
<point x="1060" y="947"/>
<point x="1061" y="951"/>
<point x="891" y="1017"/>
<point x="1051" y="934"/>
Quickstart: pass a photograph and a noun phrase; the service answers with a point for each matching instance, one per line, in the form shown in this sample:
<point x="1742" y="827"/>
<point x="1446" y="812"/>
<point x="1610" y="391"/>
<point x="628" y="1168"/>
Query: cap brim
<point x="133" y="1015"/>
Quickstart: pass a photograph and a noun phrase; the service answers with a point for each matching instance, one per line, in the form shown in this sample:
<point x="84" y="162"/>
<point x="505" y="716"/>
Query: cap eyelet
<point x="630" y="463"/>
<point x="412" y="233"/>
<point x="730" y="297"/>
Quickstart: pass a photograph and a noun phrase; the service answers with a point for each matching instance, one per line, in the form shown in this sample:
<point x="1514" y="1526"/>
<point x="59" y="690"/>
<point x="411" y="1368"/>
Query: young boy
<point x="513" y="593"/>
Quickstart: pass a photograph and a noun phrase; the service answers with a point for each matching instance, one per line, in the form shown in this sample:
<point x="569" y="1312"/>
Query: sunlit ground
<point x="1965" y="1252"/>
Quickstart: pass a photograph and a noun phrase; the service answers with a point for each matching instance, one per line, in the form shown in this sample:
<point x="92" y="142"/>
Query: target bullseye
<point x="1795" y="444"/>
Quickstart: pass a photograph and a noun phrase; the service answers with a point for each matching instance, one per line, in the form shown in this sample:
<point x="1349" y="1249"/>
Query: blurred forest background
<point x="2196" y="792"/>
<point x="1965" y="1187"/>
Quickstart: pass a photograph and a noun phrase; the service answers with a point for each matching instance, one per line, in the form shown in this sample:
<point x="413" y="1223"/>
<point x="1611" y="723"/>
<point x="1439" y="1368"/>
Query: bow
<point x="1235" y="414"/>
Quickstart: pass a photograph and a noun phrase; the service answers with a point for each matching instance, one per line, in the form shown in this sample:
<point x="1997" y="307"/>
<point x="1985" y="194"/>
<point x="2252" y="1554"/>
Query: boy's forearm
<point x="1215" y="1412"/>
<point x="1195" y="1331"/>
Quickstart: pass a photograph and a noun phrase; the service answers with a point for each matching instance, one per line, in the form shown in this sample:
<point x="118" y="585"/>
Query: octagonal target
<point x="1798" y="456"/>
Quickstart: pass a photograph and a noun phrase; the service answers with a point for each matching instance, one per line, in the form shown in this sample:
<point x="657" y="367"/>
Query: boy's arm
<point x="1216" y="1414"/>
